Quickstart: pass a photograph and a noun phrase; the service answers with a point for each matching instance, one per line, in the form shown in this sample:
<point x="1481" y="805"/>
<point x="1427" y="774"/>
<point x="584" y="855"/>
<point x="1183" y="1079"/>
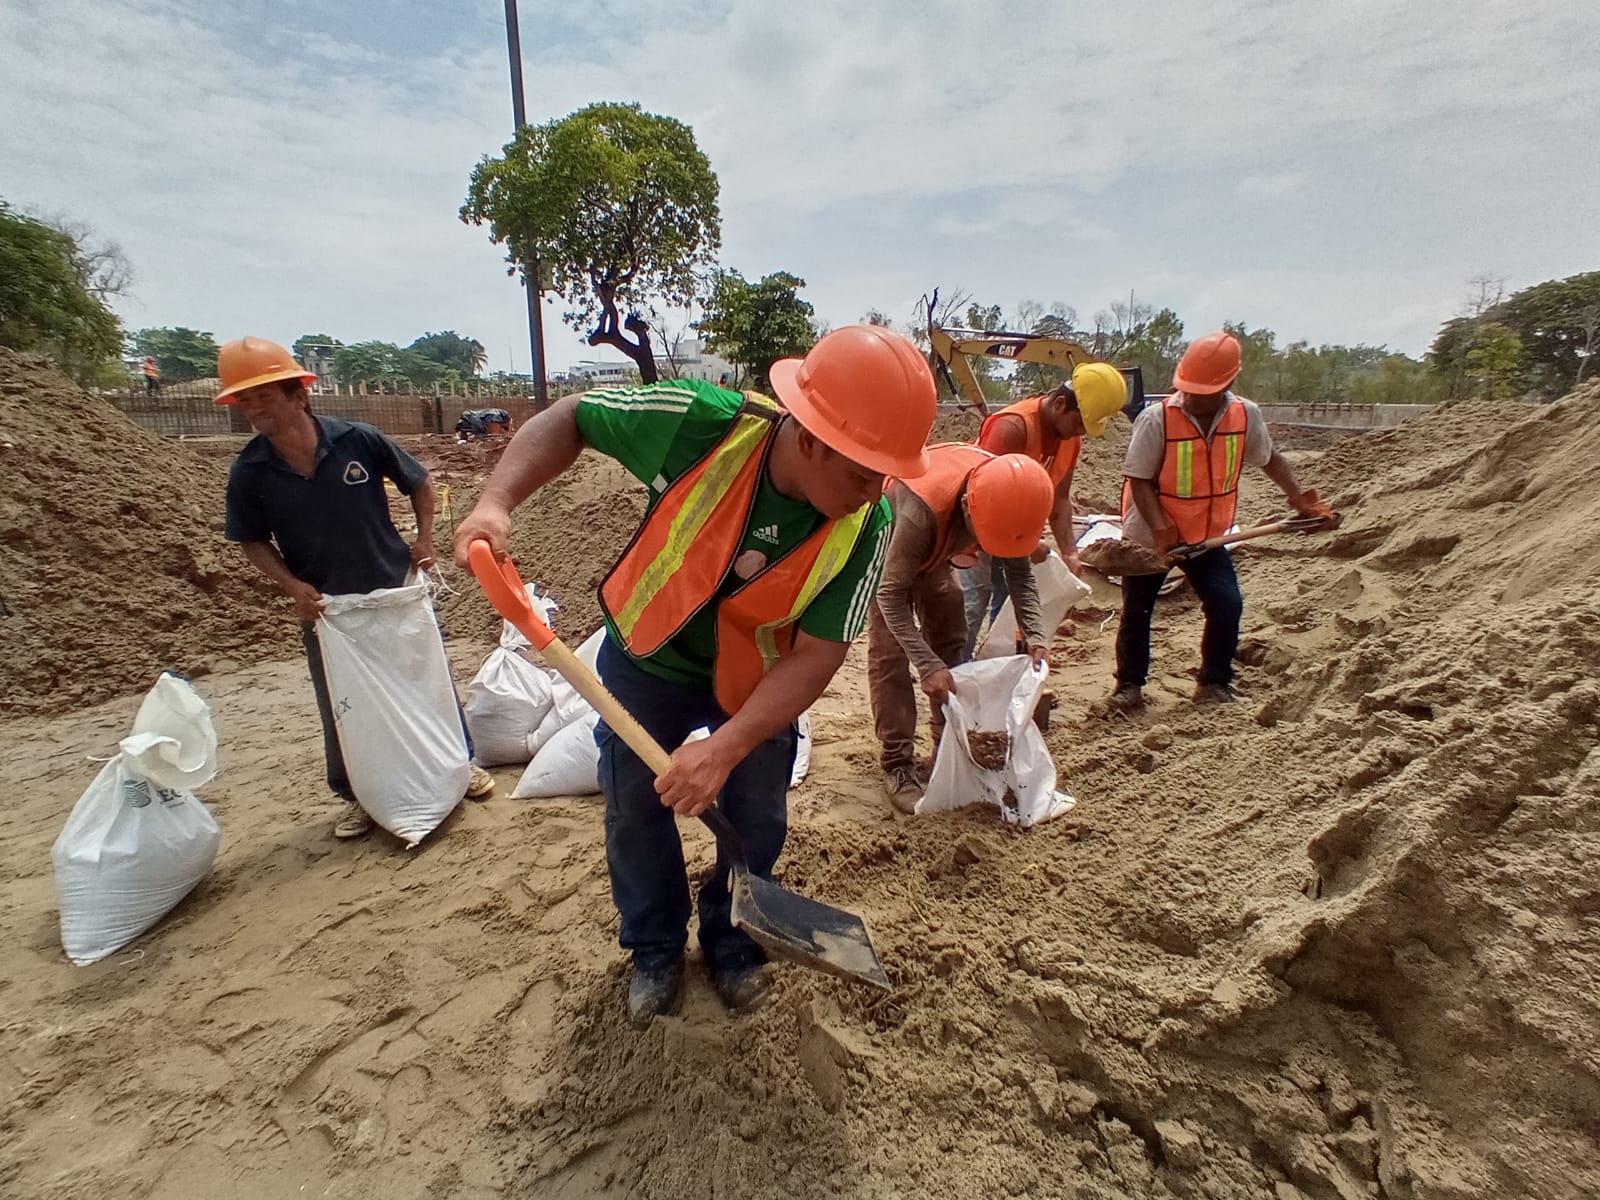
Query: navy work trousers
<point x="644" y="852"/>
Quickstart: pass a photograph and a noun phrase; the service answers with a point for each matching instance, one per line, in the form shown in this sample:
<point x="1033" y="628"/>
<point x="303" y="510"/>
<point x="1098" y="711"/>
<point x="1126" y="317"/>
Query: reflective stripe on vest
<point x="949" y="464"/>
<point x="1060" y="460"/>
<point x="658" y="585"/>
<point x="1199" y="481"/>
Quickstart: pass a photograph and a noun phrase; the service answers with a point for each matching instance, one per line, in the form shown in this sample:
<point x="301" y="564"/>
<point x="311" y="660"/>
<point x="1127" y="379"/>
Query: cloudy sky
<point x="1335" y="171"/>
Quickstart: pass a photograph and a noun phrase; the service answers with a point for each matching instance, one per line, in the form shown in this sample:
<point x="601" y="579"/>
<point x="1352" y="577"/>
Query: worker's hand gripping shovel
<point x="786" y="924"/>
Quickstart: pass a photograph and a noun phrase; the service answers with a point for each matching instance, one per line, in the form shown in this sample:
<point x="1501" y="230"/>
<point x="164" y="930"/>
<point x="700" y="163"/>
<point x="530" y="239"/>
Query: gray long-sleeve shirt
<point x="915" y="532"/>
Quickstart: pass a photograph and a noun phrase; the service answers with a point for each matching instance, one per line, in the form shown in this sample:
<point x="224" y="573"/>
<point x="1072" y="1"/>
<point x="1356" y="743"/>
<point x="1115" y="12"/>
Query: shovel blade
<point x="805" y="931"/>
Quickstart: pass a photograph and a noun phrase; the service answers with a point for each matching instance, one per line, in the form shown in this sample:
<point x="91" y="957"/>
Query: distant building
<point x="604" y="373"/>
<point x="318" y="359"/>
<point x="690" y="361"/>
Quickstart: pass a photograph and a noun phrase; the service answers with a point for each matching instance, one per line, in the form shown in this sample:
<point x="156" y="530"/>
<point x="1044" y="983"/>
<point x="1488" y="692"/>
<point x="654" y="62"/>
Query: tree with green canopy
<point x="52" y="293"/>
<point x="180" y="353"/>
<point x="755" y="324"/>
<point x="466" y="356"/>
<point x="612" y="208"/>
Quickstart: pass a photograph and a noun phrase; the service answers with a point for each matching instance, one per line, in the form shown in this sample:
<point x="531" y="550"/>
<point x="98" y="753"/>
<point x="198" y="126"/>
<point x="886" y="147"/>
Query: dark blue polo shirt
<point x="333" y="529"/>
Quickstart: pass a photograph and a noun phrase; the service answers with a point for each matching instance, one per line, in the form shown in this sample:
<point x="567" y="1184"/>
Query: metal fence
<point x="190" y="409"/>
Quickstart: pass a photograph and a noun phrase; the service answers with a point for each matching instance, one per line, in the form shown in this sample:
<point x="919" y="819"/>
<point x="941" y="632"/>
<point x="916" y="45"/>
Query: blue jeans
<point x="1217" y="585"/>
<point x="982" y="584"/>
<point x="644" y="852"/>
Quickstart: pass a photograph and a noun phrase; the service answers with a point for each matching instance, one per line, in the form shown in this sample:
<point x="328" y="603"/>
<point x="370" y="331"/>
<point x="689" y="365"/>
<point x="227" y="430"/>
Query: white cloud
<point x="1335" y="171"/>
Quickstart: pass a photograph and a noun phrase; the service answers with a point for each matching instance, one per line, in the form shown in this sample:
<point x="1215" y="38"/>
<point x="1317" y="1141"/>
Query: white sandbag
<point x="138" y="839"/>
<point x="802" y="749"/>
<point x="395" y="709"/>
<point x="1059" y="590"/>
<point x="993" y="695"/>
<point x="567" y="765"/>
<point x="566" y="705"/>
<point x="511" y="637"/>
<point x="505" y="703"/>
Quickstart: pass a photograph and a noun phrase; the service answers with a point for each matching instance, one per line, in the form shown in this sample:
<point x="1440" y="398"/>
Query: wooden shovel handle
<point x="503" y="586"/>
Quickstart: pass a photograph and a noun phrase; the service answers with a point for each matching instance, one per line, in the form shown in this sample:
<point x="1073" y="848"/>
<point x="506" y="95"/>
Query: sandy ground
<point x="1336" y="941"/>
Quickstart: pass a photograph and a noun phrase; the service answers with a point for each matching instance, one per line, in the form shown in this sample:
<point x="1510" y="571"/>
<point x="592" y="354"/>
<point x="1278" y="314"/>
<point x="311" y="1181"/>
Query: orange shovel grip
<point x="505" y="591"/>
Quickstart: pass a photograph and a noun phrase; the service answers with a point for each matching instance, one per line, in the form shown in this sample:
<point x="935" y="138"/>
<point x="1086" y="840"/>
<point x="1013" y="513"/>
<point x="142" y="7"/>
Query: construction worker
<point x="969" y="501"/>
<point x="152" y="375"/>
<point x="1181" y="486"/>
<point x="731" y="609"/>
<point x="1049" y="428"/>
<point x="307" y="505"/>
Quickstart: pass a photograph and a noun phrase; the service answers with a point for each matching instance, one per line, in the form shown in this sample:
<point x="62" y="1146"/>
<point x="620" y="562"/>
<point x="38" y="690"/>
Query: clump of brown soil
<point x="1121" y="557"/>
<point x="112" y="561"/>
<point x="989" y="748"/>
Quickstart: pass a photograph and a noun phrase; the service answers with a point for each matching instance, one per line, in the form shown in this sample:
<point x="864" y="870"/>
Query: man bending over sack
<point x="306" y="503"/>
<point x="731" y="608"/>
<point x="969" y="500"/>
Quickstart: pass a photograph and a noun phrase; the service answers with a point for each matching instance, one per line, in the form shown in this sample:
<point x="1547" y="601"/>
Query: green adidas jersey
<point x="659" y="432"/>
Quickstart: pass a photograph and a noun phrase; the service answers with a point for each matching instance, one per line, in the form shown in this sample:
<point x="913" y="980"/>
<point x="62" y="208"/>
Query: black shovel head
<point x="804" y="931"/>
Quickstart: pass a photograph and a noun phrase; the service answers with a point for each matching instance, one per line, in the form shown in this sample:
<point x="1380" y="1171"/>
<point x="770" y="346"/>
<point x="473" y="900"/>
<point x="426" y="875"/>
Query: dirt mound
<point x="112" y="561"/>
<point x="1335" y="942"/>
<point x="565" y="539"/>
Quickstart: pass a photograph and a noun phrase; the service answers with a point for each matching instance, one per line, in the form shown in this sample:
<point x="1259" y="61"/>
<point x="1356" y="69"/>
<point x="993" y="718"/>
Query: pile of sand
<point x="112" y="560"/>
<point x="1336" y="941"/>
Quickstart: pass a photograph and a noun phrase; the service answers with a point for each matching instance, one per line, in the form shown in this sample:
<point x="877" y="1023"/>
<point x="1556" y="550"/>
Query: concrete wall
<point x="1343" y="416"/>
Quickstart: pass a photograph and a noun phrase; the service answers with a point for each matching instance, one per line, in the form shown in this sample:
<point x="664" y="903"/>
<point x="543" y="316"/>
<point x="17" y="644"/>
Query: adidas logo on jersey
<point x="767" y="533"/>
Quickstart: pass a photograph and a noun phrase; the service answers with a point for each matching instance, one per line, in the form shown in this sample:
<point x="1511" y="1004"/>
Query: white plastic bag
<point x="138" y="840"/>
<point x="1059" y="590"/>
<point x="566" y="705"/>
<point x="802" y="749"/>
<point x="394" y="706"/>
<point x="567" y="765"/>
<point x="506" y="702"/>
<point x="993" y="695"/>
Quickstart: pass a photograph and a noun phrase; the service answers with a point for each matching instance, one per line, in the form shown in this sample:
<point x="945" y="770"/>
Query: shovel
<point x="1285" y="525"/>
<point x="785" y="923"/>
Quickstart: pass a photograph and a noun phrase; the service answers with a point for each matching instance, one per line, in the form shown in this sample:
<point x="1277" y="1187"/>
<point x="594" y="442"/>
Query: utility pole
<point x="534" y="276"/>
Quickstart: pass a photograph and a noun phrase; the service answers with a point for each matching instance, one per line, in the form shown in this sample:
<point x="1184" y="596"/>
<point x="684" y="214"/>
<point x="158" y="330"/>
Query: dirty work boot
<point x="740" y="988"/>
<point x="352" y="822"/>
<point x="1128" y="698"/>
<point x="901" y="786"/>
<point x="653" y="993"/>
<point x="480" y="784"/>
<point x="1214" y="693"/>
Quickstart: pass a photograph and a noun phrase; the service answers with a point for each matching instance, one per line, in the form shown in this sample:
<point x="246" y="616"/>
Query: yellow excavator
<point x="953" y="346"/>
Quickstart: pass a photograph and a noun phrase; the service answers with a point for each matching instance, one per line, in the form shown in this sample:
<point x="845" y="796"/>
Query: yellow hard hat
<point x="1102" y="393"/>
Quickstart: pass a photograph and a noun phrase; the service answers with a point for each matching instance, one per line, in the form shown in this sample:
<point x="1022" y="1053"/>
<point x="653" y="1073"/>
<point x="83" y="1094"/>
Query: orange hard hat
<point x="1209" y="365"/>
<point x="248" y="362"/>
<point x="1009" y="498"/>
<point x="865" y="392"/>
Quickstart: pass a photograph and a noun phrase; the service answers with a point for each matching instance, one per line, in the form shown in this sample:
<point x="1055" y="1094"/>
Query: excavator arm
<point x="952" y="348"/>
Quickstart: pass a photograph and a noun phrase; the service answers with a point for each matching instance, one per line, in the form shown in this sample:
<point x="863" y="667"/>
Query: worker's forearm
<point x="1024" y="591"/>
<point x="786" y="691"/>
<point x="1061" y="520"/>
<point x="541" y="450"/>
<point x="1278" y="470"/>
<point x="264" y="557"/>
<point x="894" y="603"/>
<point x="424" y="502"/>
<point x="1148" y="501"/>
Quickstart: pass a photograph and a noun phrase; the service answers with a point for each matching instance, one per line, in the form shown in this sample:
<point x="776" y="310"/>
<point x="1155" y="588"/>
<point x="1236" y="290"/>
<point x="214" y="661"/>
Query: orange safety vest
<point x="949" y="464"/>
<point x="682" y="557"/>
<point x="150" y="371"/>
<point x="1199" y="480"/>
<point x="1058" y="455"/>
